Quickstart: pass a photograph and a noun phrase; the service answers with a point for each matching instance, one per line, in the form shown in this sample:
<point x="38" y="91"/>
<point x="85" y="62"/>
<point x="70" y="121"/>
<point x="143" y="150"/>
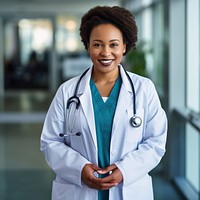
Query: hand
<point x="88" y="176"/>
<point x="106" y="183"/>
<point x="115" y="176"/>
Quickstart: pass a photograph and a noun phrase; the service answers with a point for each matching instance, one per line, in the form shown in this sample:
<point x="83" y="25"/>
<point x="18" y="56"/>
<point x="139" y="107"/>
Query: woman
<point x="104" y="153"/>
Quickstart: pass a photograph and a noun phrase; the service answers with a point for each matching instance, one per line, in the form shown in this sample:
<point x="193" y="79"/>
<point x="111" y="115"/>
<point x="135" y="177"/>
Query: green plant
<point x="136" y="59"/>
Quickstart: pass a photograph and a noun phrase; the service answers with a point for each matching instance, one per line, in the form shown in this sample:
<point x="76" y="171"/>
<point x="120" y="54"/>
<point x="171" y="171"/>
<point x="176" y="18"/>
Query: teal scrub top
<point x="104" y="113"/>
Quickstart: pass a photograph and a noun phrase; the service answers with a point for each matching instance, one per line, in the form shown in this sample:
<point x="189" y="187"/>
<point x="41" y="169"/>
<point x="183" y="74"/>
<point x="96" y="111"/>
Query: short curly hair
<point x="117" y="16"/>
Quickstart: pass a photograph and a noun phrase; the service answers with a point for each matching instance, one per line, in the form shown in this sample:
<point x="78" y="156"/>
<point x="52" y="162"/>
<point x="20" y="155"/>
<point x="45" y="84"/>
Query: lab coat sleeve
<point x="65" y="162"/>
<point x="137" y="163"/>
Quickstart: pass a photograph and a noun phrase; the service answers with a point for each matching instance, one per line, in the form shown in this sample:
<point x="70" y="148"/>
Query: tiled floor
<point x="26" y="185"/>
<point x="24" y="174"/>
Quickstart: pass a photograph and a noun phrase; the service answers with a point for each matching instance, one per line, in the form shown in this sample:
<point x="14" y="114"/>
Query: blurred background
<point x="40" y="48"/>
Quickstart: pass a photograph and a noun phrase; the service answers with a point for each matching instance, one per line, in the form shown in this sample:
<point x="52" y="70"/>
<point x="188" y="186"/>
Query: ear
<point x="124" y="48"/>
<point x="88" y="47"/>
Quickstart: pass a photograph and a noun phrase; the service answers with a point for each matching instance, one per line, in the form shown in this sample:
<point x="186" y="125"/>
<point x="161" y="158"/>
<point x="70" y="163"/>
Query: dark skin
<point x="106" y="49"/>
<point x="106" y="183"/>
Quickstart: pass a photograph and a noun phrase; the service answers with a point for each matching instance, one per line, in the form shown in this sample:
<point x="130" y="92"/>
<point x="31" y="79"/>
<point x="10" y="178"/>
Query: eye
<point x="97" y="45"/>
<point x="113" y="45"/>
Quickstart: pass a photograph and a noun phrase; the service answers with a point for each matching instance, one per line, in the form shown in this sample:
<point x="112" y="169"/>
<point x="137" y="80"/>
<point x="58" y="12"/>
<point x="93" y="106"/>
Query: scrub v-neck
<point x="104" y="114"/>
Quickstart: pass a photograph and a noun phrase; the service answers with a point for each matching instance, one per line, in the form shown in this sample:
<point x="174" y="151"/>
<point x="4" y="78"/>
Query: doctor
<point x="104" y="132"/>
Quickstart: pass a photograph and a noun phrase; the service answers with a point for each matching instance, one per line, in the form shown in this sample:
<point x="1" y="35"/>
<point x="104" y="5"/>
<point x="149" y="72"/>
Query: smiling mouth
<point x="106" y="62"/>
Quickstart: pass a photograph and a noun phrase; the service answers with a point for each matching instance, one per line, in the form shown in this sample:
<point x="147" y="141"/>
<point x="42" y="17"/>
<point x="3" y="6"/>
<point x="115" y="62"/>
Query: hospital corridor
<point x="25" y="174"/>
<point x="40" y="48"/>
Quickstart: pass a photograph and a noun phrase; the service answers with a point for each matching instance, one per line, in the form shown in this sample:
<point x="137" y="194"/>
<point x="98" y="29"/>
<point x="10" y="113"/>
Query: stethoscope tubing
<point x="135" y="121"/>
<point x="133" y="91"/>
<point x="78" y="83"/>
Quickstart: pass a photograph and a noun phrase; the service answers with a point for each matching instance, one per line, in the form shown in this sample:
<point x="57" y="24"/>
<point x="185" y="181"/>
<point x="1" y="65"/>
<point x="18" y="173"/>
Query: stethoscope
<point x="73" y="104"/>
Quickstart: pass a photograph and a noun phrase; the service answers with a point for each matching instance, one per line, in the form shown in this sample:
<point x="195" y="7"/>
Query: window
<point x="192" y="93"/>
<point x="192" y="156"/>
<point x="193" y="71"/>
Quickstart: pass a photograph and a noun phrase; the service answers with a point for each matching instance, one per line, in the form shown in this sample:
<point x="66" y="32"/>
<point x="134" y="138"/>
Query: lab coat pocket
<point x="134" y="134"/>
<point x="141" y="189"/>
<point x="61" y="191"/>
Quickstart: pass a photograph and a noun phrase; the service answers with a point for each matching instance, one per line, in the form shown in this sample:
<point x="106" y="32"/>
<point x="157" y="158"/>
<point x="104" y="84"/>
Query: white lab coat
<point x="135" y="151"/>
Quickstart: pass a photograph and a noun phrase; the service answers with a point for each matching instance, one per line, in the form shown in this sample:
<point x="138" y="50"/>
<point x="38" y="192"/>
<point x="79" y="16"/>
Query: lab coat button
<point x="113" y="153"/>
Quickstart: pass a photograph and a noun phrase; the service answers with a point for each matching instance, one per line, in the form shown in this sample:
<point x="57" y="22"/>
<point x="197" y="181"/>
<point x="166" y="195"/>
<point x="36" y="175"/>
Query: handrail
<point x="188" y="116"/>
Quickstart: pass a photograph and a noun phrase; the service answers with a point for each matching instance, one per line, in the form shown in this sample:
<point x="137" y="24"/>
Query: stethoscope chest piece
<point x="73" y="104"/>
<point x="136" y="121"/>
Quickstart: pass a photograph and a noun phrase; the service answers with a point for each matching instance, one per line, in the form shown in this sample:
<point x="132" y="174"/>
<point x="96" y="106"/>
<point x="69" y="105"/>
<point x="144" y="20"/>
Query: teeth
<point x="106" y="61"/>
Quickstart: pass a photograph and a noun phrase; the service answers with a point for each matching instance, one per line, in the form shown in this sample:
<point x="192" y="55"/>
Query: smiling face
<point x="106" y="48"/>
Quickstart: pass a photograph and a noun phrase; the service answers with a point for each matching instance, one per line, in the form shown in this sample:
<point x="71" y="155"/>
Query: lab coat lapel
<point x="87" y="106"/>
<point x="124" y="100"/>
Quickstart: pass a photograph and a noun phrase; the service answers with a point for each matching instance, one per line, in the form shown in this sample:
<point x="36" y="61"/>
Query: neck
<point x="104" y="78"/>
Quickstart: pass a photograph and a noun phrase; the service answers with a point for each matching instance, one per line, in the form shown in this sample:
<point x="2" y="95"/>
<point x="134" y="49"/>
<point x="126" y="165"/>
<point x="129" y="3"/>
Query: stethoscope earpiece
<point x="136" y="121"/>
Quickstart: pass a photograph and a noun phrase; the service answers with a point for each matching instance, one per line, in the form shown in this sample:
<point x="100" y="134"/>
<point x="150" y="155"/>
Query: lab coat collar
<point x="85" y="97"/>
<point x="124" y="101"/>
<point x="86" y="81"/>
<point x="125" y="82"/>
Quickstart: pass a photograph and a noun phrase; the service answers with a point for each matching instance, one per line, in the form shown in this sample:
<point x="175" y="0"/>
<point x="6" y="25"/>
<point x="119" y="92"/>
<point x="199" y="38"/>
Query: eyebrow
<point x="113" y="40"/>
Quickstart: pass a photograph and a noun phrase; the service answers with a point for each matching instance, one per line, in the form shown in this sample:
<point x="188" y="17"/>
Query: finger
<point x="92" y="182"/>
<point x="107" y="186"/>
<point x="95" y="167"/>
<point x="115" y="177"/>
<point x="101" y="183"/>
<point x="108" y="169"/>
<point x="88" y="172"/>
<point x="101" y="186"/>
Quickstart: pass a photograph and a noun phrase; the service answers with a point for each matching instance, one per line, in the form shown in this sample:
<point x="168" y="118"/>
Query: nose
<point x="105" y="51"/>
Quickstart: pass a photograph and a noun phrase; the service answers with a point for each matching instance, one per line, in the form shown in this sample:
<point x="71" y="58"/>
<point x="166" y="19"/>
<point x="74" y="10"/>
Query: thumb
<point x="95" y="167"/>
<point x="107" y="169"/>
